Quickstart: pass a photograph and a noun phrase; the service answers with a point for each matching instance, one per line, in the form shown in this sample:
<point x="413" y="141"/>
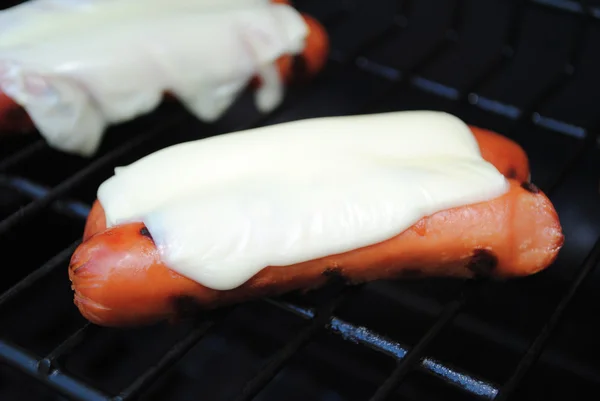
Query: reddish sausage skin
<point x="13" y="118"/>
<point x="298" y="69"/>
<point x="506" y="155"/>
<point x="119" y="280"/>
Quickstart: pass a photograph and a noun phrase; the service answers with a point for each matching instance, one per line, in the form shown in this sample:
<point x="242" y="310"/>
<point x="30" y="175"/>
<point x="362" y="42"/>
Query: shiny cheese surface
<point x="77" y="66"/>
<point x="223" y="208"/>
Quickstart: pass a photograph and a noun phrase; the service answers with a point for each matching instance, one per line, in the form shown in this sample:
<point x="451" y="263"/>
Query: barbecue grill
<point x="527" y="69"/>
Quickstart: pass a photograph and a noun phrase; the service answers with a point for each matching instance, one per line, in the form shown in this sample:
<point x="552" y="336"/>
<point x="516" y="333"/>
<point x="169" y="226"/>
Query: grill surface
<point x="527" y="69"/>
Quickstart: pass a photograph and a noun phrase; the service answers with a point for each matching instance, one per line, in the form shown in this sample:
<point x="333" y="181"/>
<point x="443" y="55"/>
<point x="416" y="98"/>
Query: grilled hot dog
<point x="120" y="280"/>
<point x="13" y="118"/>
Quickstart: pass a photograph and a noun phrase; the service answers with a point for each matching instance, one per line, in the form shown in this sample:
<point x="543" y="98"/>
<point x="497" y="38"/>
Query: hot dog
<point x="13" y="118"/>
<point x="119" y="279"/>
<point x="292" y="69"/>
<point x="506" y="155"/>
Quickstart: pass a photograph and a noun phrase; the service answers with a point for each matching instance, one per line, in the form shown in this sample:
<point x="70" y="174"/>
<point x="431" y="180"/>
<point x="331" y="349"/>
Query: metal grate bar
<point x="56" y="379"/>
<point x="169" y="359"/>
<point x="536" y="348"/>
<point x="570" y="67"/>
<point x="369" y="43"/>
<point x="33" y="190"/>
<point x="506" y="110"/>
<point x="507" y="53"/>
<point x="38" y="205"/>
<point x="23" y="154"/>
<point x="58" y="260"/>
<point x="399" y="22"/>
<point x="561" y="80"/>
<point x="272" y="367"/>
<point x="581" y="148"/>
<point x="470" y="95"/>
<point x="368" y="338"/>
<point x="429" y="56"/>
<point x="572" y="6"/>
<point x="560" y="127"/>
<point x="448" y="92"/>
<point x="413" y="356"/>
<point x="581" y="37"/>
<point x="404" y="77"/>
<point x="66" y="346"/>
<point x="513" y="33"/>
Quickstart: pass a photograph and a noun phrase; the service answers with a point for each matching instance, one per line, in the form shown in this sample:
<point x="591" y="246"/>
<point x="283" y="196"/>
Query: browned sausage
<point x="119" y="279"/>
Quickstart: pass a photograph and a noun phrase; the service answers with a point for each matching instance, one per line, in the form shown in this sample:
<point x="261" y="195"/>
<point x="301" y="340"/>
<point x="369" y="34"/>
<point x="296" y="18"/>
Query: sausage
<point x="293" y="69"/>
<point x="119" y="280"/>
<point x="498" y="238"/>
<point x="13" y="118"/>
<point x="506" y="155"/>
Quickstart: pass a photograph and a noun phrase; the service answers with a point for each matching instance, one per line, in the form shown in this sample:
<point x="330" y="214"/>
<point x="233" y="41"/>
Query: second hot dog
<point x="13" y="118"/>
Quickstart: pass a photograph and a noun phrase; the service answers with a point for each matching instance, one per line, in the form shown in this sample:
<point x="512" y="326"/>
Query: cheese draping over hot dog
<point x="223" y="208"/>
<point x="77" y="66"/>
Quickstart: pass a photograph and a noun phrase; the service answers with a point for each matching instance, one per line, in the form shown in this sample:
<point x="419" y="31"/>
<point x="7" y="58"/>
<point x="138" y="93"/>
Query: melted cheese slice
<point x="223" y="208"/>
<point x="77" y="66"/>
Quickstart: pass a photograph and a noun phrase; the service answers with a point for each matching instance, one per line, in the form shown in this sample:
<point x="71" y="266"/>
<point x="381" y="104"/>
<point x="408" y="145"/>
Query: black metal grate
<point x="497" y="65"/>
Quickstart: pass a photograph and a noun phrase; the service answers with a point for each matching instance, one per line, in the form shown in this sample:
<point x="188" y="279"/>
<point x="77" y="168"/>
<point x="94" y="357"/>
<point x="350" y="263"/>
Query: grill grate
<point x="354" y="54"/>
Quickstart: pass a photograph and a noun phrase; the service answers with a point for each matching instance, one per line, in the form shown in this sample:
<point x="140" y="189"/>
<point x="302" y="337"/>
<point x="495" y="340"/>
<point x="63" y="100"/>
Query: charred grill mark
<point x="332" y="272"/>
<point x="186" y="306"/>
<point x="529" y="187"/>
<point x="335" y="275"/>
<point x="482" y="263"/>
<point x="144" y="232"/>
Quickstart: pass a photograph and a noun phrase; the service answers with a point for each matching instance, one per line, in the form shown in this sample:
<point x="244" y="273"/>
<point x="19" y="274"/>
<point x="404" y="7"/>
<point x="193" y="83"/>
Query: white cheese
<point x="77" y="66"/>
<point x="223" y="208"/>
